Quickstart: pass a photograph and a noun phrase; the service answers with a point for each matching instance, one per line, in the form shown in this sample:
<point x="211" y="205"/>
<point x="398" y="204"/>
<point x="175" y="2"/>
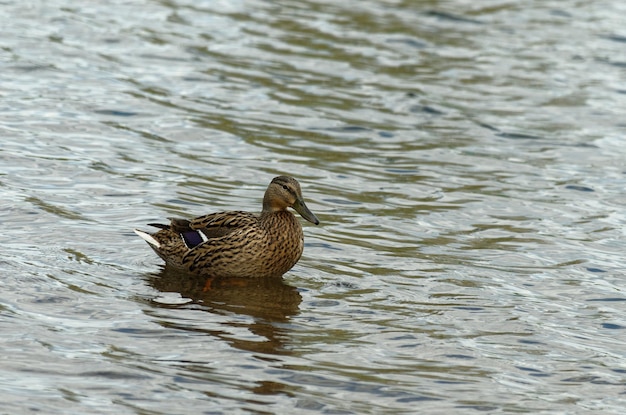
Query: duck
<point x="236" y="244"/>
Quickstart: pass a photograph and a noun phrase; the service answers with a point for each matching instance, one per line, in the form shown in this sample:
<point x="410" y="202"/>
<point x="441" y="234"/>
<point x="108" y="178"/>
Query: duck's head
<point x="284" y="192"/>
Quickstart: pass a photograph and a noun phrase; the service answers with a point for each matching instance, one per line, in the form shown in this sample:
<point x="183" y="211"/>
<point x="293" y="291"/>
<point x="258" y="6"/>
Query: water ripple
<point x="466" y="164"/>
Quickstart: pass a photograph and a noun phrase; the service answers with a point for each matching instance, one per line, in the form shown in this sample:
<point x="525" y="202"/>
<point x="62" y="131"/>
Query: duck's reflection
<point x="269" y="301"/>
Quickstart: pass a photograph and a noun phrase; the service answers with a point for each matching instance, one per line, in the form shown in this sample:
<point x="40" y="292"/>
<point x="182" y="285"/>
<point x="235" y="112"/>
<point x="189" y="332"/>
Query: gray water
<point x="466" y="160"/>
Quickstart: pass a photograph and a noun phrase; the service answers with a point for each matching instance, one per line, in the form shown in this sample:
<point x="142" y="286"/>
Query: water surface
<point x="466" y="161"/>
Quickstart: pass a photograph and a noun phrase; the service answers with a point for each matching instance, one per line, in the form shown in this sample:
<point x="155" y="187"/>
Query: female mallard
<point x="236" y="243"/>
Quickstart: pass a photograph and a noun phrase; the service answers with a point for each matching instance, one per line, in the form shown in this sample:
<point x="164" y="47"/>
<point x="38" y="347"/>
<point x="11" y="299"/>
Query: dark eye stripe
<point x="286" y="186"/>
<point x="291" y="191"/>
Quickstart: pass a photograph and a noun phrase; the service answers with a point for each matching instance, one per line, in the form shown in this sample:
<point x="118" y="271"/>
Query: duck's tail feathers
<point x="148" y="238"/>
<point x="159" y="225"/>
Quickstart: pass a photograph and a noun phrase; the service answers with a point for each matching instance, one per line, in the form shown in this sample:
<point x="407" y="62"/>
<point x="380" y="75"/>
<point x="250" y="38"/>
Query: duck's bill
<point x="304" y="211"/>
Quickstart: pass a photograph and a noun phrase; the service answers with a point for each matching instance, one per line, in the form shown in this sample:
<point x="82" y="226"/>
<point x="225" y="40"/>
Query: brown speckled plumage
<point x="236" y="243"/>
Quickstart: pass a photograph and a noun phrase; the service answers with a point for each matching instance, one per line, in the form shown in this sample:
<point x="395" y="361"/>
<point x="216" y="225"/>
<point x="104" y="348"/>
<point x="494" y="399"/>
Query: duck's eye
<point x="285" y="187"/>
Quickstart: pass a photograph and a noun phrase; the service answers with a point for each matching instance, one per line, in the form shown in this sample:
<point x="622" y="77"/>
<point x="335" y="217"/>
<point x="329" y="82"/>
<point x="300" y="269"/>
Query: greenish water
<point x="465" y="159"/>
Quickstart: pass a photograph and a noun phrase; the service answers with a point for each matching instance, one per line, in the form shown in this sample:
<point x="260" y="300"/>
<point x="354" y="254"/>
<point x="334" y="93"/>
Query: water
<point x="466" y="160"/>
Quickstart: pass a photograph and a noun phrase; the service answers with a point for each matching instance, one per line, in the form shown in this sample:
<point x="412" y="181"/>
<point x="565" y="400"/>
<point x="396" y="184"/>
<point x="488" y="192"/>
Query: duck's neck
<point x="274" y="214"/>
<point x="281" y="221"/>
<point x="268" y="207"/>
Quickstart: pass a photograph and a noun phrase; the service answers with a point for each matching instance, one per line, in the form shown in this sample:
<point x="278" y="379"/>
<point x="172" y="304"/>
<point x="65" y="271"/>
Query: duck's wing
<point x="212" y="226"/>
<point x="180" y="238"/>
